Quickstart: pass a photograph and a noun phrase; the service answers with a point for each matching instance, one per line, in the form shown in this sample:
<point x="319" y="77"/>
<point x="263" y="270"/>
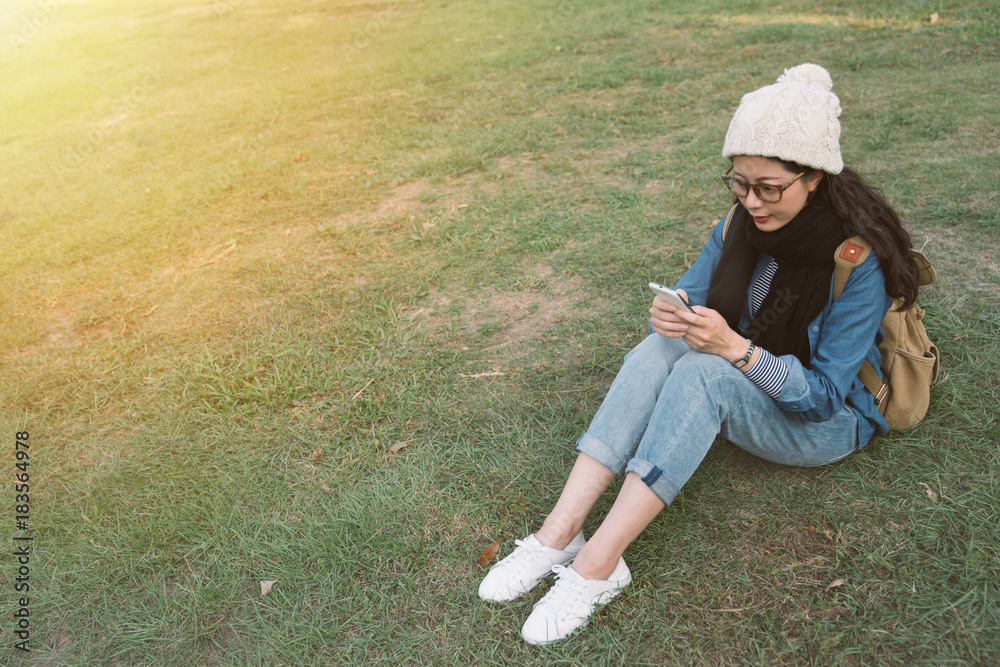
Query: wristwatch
<point x="740" y="363"/>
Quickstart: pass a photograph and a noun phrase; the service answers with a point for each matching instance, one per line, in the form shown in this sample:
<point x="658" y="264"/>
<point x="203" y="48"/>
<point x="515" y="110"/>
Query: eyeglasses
<point x="770" y="194"/>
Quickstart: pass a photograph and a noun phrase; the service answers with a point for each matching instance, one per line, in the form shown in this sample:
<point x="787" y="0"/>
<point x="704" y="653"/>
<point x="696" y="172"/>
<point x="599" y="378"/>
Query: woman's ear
<point x="813" y="180"/>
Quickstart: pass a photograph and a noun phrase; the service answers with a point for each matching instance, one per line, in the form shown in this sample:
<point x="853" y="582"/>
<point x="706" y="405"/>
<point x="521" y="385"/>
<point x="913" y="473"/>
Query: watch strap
<point x="740" y="363"/>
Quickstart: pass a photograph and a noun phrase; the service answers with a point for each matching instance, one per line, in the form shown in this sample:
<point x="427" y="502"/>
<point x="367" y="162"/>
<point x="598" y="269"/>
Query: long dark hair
<point x="868" y="214"/>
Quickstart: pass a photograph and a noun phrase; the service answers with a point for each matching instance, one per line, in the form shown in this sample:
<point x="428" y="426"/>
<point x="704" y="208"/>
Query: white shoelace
<point x="564" y="592"/>
<point x="521" y="553"/>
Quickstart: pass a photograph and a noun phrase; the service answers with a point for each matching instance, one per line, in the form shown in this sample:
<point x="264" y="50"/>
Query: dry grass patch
<point x="514" y="323"/>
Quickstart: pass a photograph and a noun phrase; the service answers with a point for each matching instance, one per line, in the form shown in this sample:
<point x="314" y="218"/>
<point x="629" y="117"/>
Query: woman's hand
<point x="705" y="330"/>
<point x="665" y="318"/>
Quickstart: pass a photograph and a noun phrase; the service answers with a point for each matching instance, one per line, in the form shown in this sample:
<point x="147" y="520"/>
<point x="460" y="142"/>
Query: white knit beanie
<point x="794" y="120"/>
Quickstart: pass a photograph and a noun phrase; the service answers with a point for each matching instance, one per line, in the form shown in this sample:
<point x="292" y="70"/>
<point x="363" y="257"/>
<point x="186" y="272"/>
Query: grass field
<point x="323" y="293"/>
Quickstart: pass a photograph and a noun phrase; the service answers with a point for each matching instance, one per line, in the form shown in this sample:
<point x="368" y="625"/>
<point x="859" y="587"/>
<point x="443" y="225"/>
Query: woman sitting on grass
<point x="767" y="359"/>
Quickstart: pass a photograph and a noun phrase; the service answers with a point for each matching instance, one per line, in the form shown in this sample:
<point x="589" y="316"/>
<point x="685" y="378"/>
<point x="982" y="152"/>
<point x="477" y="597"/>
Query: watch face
<point x="740" y="363"/>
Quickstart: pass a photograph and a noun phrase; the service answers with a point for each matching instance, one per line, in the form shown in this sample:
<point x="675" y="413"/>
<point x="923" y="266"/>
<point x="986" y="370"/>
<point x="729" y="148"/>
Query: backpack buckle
<point x="882" y="394"/>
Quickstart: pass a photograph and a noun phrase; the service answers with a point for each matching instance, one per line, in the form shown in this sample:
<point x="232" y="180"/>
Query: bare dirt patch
<point x="515" y="323"/>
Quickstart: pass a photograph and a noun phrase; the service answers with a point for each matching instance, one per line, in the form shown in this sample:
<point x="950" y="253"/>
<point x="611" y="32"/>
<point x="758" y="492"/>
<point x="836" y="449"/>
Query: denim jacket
<point x="844" y="334"/>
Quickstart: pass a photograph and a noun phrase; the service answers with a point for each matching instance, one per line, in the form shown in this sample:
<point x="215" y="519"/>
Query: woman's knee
<point x="700" y="366"/>
<point x="656" y="353"/>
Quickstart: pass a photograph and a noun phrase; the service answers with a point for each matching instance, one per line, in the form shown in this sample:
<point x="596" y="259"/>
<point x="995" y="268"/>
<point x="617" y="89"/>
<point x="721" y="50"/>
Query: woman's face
<point x="756" y="170"/>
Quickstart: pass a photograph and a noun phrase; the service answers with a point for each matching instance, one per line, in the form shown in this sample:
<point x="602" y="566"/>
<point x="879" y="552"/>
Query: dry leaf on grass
<point x="316" y="455"/>
<point x="934" y="17"/>
<point x="488" y="553"/>
<point x="930" y="494"/>
<point x="398" y="446"/>
<point x="265" y="586"/>
<point x="836" y="583"/>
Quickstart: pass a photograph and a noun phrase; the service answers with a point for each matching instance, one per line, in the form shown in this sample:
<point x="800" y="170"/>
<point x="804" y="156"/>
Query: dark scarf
<point x="804" y="251"/>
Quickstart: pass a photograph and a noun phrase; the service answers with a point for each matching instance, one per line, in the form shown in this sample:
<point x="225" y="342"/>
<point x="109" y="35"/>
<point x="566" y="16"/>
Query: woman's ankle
<point x="590" y="564"/>
<point x="556" y="534"/>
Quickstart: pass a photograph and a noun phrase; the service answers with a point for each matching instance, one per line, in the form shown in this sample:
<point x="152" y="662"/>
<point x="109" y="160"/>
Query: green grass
<point x="250" y="246"/>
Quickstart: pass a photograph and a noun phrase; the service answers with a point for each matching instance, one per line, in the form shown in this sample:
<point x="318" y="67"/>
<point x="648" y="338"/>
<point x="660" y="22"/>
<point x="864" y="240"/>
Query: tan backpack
<point x="910" y="361"/>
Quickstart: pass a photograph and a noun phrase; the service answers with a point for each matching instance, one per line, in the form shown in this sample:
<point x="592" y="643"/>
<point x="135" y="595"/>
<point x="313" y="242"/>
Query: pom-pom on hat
<point x="794" y="119"/>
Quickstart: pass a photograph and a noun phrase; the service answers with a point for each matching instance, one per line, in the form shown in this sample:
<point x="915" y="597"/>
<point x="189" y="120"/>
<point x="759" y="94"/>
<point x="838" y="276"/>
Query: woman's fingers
<point x="666" y="320"/>
<point x="705" y="330"/>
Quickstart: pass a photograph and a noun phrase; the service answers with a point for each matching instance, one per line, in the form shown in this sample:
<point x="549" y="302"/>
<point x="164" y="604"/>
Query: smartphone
<point x="670" y="296"/>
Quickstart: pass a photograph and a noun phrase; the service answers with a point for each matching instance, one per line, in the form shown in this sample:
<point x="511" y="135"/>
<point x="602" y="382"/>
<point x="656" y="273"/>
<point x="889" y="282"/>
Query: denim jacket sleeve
<point x="841" y="337"/>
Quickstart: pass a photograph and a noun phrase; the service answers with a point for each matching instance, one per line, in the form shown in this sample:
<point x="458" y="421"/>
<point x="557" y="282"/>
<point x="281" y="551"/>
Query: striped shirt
<point x="770" y="372"/>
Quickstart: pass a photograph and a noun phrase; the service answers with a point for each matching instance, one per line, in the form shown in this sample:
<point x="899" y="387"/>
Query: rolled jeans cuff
<point x="652" y="476"/>
<point x="601" y="453"/>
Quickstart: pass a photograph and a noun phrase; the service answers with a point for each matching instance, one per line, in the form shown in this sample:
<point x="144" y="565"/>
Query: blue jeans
<point x="669" y="403"/>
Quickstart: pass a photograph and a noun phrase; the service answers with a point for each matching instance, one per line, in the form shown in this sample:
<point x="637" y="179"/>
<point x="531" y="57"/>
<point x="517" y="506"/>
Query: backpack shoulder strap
<point x="849" y="254"/>
<point x="729" y="219"/>
<point x="875" y="386"/>
<point x="856" y="249"/>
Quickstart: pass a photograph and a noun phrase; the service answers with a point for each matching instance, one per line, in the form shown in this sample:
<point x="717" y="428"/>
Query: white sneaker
<point x="567" y="607"/>
<point x="519" y="572"/>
